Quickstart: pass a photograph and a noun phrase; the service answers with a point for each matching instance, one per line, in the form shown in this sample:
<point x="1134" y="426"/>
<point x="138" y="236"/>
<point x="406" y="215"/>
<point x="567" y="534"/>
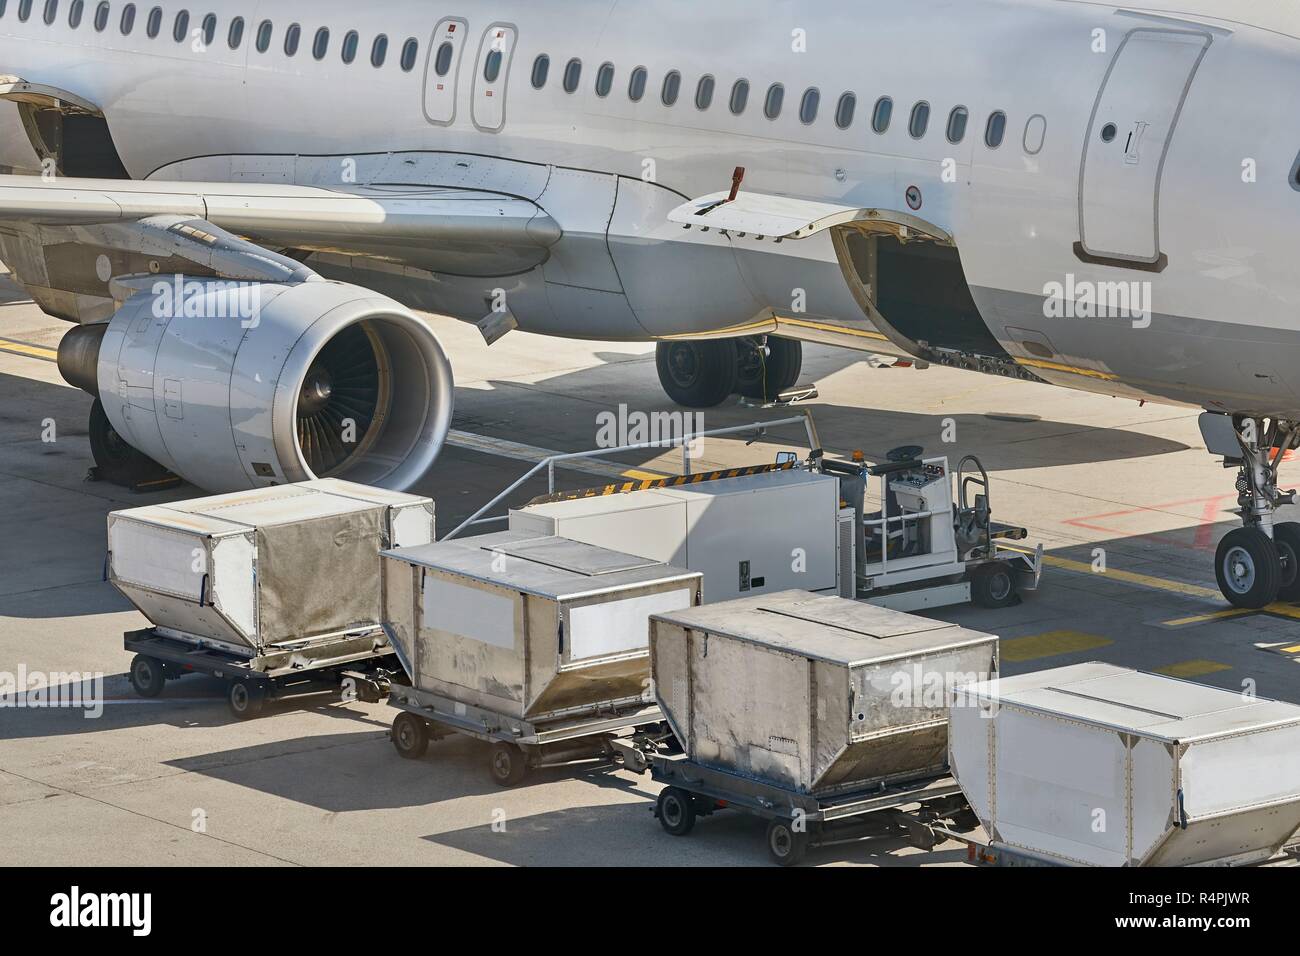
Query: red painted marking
<point x="1203" y="540"/>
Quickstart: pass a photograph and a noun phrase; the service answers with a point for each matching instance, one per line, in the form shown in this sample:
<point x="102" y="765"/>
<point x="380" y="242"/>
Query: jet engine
<point x="239" y="385"/>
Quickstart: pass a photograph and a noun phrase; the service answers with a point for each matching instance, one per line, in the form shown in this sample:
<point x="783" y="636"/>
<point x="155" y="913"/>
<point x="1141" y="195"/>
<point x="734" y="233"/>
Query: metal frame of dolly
<point x="628" y="734"/>
<point x="252" y="681"/>
<point x="694" y="790"/>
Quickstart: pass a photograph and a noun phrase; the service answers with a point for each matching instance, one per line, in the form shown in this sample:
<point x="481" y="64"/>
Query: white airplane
<point x="241" y="202"/>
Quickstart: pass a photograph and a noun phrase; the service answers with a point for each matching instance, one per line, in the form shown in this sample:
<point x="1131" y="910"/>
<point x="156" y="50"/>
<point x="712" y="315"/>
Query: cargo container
<point x="260" y="585"/>
<point x="1098" y="765"/>
<point x="538" y="644"/>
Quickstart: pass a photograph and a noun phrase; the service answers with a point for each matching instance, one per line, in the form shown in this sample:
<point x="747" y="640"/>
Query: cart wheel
<point x="147" y="675"/>
<point x="676" y="811"/>
<point x="246" y="698"/>
<point x="509" y="765"/>
<point x="410" y="735"/>
<point x="993" y="585"/>
<point x="786" y="845"/>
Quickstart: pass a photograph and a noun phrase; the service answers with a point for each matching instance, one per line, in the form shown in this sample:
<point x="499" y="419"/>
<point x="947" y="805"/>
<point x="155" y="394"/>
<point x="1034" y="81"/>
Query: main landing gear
<point x="1259" y="562"/>
<point x="705" y="373"/>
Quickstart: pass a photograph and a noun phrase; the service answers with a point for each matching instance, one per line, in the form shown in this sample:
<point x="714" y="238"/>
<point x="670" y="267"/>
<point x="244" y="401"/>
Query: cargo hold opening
<point x="66" y="129"/>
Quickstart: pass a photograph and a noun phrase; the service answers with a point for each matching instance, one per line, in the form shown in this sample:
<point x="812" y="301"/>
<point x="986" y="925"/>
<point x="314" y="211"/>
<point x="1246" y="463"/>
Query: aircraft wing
<point x="440" y="229"/>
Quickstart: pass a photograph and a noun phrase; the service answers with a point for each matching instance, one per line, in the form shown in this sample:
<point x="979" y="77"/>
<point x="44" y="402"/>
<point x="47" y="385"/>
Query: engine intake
<point x="240" y="385"/>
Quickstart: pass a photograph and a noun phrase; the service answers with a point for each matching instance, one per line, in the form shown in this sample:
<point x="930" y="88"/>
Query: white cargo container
<point x="526" y="627"/>
<point x="256" y="571"/>
<point x="760" y="533"/>
<point x="813" y="694"/>
<point x="1104" y="766"/>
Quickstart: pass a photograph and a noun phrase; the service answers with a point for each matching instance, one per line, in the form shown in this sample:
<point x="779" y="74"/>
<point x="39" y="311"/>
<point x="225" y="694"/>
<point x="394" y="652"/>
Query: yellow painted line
<point x="838" y="329"/>
<point x="1072" y="369"/>
<point x="31" y="351"/>
<point x="1132" y="577"/>
<point x="1215" y="616"/>
<point x="1048" y="645"/>
<point x="1188" y="669"/>
<point x="1293" y="649"/>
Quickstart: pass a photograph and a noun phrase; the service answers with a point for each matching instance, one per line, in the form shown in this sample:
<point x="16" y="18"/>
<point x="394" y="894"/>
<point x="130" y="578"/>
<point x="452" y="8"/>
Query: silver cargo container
<point x="262" y="569"/>
<point x="528" y="627"/>
<point x="814" y="694"/>
<point x="1105" y="766"/>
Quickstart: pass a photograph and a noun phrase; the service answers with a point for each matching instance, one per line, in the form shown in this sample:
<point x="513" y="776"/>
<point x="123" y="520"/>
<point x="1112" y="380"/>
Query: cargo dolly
<point x="361" y="662"/>
<point x="911" y="809"/>
<point x="627" y="734"/>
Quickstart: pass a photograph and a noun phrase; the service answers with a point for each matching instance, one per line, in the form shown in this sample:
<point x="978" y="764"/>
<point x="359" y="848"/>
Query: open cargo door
<point x="65" y="128"/>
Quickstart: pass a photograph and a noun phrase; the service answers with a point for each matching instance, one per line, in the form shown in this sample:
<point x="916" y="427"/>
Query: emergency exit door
<point x="490" y="77"/>
<point x="441" y="75"/>
<point x="1132" y="127"/>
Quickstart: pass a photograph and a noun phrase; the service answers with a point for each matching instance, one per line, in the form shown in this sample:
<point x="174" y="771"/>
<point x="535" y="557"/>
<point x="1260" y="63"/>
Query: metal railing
<point x="756" y="429"/>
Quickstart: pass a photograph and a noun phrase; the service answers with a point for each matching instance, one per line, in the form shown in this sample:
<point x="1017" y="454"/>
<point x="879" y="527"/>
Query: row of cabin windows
<point x="208" y="31"/>
<point x="773" y="101"/>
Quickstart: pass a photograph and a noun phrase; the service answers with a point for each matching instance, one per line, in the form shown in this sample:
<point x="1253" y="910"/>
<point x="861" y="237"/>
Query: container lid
<point x="1150" y="705"/>
<point x="545" y="565"/>
<point x="825" y="628"/>
<point x="276" y="505"/>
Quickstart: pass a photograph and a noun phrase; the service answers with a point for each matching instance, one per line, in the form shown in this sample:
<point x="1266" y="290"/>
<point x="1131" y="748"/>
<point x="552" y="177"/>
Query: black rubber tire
<point x="508" y="765"/>
<point x="245" y="698"/>
<point x="410" y="735"/>
<point x="993" y="585"/>
<point x="697" y="374"/>
<point x="786" y="845"/>
<point x="1248" y="568"/>
<point x="1286" y="537"/>
<point x="675" y="810"/>
<point x="116" y="461"/>
<point x="765" y="370"/>
<point x="147" y="676"/>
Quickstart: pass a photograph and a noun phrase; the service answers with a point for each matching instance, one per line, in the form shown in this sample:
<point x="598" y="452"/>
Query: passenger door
<point x="1132" y="125"/>
<point x="442" y="72"/>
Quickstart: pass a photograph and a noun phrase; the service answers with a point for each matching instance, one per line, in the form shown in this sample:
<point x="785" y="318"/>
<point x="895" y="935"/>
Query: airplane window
<point x="3" y="5"/>
<point x="636" y="86"/>
<point x="996" y="129"/>
<point x="672" y="88"/>
<point x="75" y="12"/>
<point x="572" y="75"/>
<point x="492" y="66"/>
<point x="604" y="79"/>
<point x="321" y="45"/>
<point x="101" y="17"/>
<point x="541" y="69"/>
<point x="264" y="31"/>
<point x="181" y="26"/>
<point x="24" y="10"/>
<point x="442" y="62"/>
<point x="379" y="51"/>
<point x="410" y="50"/>
<point x="350" y="41"/>
<point x="957" y="124"/>
<point x="848" y="105"/>
<point x="153" y="26"/>
<point x="772" y="102"/>
<point x="209" y="29"/>
<point x="809" y="105"/>
<point x="704" y="93"/>
<point x="235" y="35"/>
<point x="52" y="11"/>
<point x="739" y="96"/>
<point x="920" y="120"/>
<point x="881" y="114"/>
<point x="127" y="22"/>
<point x="292" y="37"/>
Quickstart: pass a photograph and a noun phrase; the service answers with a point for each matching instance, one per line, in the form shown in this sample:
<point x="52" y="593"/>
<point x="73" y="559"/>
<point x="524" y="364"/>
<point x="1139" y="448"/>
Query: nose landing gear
<point x="1259" y="562"/>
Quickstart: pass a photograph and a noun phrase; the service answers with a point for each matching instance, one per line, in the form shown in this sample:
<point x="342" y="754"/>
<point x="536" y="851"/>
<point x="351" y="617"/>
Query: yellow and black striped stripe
<point x="646" y="484"/>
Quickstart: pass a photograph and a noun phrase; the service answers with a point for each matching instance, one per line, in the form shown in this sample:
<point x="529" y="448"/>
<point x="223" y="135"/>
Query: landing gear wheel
<point x="245" y="698"/>
<point x="115" y="460"/>
<point x="147" y="675"/>
<point x="994" y="585"/>
<point x="766" y="369"/>
<point x="509" y="765"/>
<point x="697" y="374"/>
<point x="1248" y="566"/>
<point x="675" y="810"/>
<point x="410" y="736"/>
<point x="1286" y="536"/>
<point x="786" y="845"/>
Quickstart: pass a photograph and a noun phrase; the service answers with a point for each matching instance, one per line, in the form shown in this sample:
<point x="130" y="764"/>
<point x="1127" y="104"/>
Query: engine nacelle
<point x="240" y="385"/>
